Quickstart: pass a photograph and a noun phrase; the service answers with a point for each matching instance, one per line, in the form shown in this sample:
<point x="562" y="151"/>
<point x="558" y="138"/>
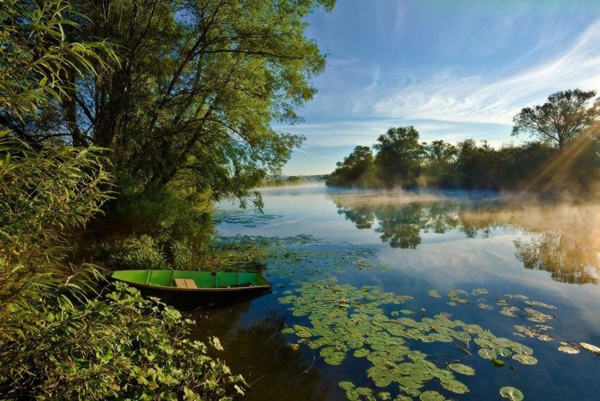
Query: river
<point x="425" y="296"/>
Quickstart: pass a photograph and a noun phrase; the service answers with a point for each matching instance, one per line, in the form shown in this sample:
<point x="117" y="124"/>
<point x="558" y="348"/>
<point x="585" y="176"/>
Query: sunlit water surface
<point x="545" y="251"/>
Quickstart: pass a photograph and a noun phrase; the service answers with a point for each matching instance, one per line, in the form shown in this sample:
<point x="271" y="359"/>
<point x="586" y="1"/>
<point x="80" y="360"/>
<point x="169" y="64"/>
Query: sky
<point x="455" y="69"/>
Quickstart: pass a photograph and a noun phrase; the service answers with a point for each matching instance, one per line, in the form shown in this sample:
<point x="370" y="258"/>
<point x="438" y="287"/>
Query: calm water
<point x="547" y="252"/>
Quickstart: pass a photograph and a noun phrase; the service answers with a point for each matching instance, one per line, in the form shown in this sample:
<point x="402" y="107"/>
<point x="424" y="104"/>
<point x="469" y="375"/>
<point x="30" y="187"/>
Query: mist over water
<point x="548" y="251"/>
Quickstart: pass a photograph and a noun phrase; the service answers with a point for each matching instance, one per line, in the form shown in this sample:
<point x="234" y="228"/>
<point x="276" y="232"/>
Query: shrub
<point x="138" y="253"/>
<point x="58" y="345"/>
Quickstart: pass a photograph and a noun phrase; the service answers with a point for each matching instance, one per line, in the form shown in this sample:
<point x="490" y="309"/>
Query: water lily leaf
<point x="521" y="349"/>
<point x="410" y="382"/>
<point x="537" y="316"/>
<point x="505" y="352"/>
<point x="347" y="386"/>
<point x="513" y="394"/>
<point x="431" y="396"/>
<point x="568" y="350"/>
<point x="434" y="293"/>
<point x="479" y="291"/>
<point x="384" y="396"/>
<point x="541" y="304"/>
<point x="525" y="359"/>
<point x="503" y="342"/>
<point x="360" y="353"/>
<point x="455" y="386"/>
<point x="509" y="311"/>
<point x="487" y="353"/>
<point x="516" y="296"/>
<point x="462" y="369"/>
<point x="590" y="347"/>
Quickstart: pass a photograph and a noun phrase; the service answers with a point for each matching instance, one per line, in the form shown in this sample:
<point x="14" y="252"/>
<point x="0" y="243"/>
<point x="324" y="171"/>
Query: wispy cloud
<point x="310" y="153"/>
<point x="496" y="99"/>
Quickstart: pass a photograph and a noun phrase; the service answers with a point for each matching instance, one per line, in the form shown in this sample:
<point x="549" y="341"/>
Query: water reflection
<point x="264" y="356"/>
<point x="561" y="239"/>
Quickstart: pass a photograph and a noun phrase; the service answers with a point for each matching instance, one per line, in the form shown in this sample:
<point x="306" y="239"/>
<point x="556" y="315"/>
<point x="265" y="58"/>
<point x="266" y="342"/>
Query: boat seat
<point x="185" y="283"/>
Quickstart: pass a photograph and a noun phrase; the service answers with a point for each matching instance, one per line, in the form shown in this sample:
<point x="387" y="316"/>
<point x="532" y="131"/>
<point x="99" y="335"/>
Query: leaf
<point x="462" y="369"/>
<point x="455" y="386"/>
<point x="513" y="394"/>
<point x="431" y="396"/>
<point x="487" y="353"/>
<point x="568" y="349"/>
<point x="347" y="385"/>
<point x="590" y="347"/>
<point x="525" y="359"/>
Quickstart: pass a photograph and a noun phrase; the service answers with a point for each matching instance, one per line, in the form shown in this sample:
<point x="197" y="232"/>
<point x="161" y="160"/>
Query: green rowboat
<point x="192" y="288"/>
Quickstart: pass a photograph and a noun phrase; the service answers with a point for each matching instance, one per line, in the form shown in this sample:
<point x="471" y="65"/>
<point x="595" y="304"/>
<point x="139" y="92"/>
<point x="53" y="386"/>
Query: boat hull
<point x="213" y="288"/>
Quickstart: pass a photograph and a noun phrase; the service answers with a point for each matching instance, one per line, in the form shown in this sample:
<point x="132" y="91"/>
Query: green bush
<point x="138" y="253"/>
<point x="159" y="229"/>
<point x="58" y="345"/>
<point x="183" y="257"/>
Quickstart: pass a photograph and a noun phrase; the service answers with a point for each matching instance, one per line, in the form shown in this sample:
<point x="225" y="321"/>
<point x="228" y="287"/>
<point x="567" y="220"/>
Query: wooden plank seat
<point x="185" y="283"/>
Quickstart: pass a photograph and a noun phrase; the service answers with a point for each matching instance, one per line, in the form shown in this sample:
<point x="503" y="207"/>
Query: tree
<point x="565" y="116"/>
<point x="439" y="159"/>
<point x="197" y="86"/>
<point x="399" y="156"/>
<point x="477" y="165"/>
<point x="356" y="169"/>
<point x="35" y="54"/>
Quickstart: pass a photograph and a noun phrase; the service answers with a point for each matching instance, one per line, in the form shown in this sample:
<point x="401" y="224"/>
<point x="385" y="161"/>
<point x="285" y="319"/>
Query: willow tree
<point x="197" y="87"/>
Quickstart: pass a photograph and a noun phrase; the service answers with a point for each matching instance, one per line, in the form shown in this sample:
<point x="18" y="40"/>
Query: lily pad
<point x="525" y="359"/>
<point x="431" y="396"/>
<point x="487" y="353"/>
<point x="541" y="304"/>
<point x="590" y="347"/>
<point x="568" y="349"/>
<point x="462" y="369"/>
<point x="455" y="386"/>
<point x="513" y="394"/>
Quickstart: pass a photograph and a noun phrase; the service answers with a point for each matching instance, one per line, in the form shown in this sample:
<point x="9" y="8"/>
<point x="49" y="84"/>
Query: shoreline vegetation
<point x="121" y="125"/>
<point x="563" y="155"/>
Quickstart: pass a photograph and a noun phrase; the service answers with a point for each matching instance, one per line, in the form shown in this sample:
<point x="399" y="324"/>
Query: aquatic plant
<point x="347" y="320"/>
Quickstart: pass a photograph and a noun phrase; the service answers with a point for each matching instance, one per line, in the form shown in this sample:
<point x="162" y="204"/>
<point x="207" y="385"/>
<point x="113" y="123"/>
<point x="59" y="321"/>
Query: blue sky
<point x="454" y="69"/>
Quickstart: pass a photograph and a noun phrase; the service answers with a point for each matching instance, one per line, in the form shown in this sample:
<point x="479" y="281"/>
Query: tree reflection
<point x="567" y="261"/>
<point x="562" y="240"/>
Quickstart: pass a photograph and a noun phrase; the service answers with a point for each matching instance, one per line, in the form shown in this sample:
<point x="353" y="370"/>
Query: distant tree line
<point x="563" y="153"/>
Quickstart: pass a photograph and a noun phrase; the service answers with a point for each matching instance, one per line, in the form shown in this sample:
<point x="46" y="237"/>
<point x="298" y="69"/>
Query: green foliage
<point x="356" y="169"/>
<point x="198" y="84"/>
<point x="137" y="253"/>
<point x="534" y="166"/>
<point x="345" y="319"/>
<point x="39" y="62"/>
<point x="57" y="346"/>
<point x="44" y="196"/>
<point x="57" y="341"/>
<point x="513" y="394"/>
<point x="164" y="228"/>
<point x="399" y="157"/>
